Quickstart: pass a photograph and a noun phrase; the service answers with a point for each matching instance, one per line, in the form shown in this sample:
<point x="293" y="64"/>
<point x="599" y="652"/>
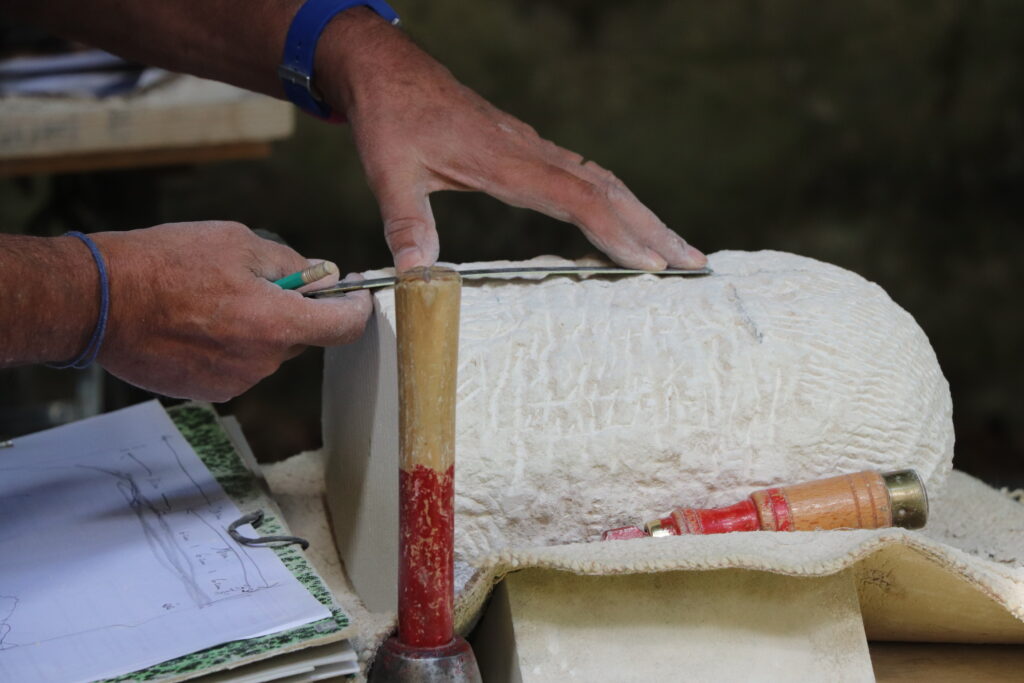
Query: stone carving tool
<point x="865" y="500"/>
<point x="503" y="273"/>
<point x="426" y="649"/>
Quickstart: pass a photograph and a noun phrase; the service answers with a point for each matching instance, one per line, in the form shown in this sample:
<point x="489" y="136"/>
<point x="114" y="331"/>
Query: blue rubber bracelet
<point x="296" y="69"/>
<point x="92" y="349"/>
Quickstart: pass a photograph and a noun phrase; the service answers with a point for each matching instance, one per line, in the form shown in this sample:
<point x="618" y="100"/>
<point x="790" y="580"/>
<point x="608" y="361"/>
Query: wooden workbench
<point x="182" y="121"/>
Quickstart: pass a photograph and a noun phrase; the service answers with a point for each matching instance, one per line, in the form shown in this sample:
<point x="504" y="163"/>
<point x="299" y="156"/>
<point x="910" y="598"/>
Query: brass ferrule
<point x="908" y="498"/>
<point x="655" y="528"/>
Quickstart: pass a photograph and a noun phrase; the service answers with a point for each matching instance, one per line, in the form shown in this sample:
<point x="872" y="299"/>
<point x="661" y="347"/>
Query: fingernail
<point x="409" y="257"/>
<point x="695" y="258"/>
<point x="654" y="261"/>
<point x="685" y="256"/>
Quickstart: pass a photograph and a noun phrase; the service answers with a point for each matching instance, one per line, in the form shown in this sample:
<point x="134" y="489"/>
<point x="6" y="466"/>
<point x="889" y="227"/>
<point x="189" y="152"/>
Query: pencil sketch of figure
<point x="159" y="536"/>
<point x="209" y="566"/>
<point x="8" y="603"/>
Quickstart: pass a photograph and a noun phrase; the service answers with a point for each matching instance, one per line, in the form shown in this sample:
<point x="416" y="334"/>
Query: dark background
<point x="887" y="138"/>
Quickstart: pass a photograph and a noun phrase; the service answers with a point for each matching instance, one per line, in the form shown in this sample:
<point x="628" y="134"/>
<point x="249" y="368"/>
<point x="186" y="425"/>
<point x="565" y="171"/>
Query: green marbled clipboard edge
<point x="199" y="424"/>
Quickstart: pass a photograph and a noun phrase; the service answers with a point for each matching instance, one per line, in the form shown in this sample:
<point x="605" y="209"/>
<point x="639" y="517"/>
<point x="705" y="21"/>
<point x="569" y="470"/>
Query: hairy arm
<point x="193" y="309"/>
<point x="44" y="312"/>
<point x="418" y="130"/>
<point x="235" y="41"/>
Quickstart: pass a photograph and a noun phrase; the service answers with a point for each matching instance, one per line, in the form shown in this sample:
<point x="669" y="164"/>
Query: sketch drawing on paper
<point x="8" y="603"/>
<point x="209" y="565"/>
<point x="177" y="458"/>
<point x="181" y="525"/>
<point x="115" y="554"/>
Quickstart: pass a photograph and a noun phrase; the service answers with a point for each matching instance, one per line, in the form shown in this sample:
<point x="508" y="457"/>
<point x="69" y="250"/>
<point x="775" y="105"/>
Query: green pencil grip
<point x="305" y="277"/>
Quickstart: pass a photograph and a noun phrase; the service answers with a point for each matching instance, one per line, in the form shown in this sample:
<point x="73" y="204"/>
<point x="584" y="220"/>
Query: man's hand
<point x="418" y="130"/>
<point x="194" y="312"/>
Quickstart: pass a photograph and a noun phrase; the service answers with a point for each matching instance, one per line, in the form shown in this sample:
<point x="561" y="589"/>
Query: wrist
<point x="77" y="299"/>
<point x="52" y="300"/>
<point x="130" y="267"/>
<point x="345" y="52"/>
<point x="84" y="358"/>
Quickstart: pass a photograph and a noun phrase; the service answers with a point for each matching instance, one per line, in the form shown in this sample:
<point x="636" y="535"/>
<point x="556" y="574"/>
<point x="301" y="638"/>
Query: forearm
<point x="234" y="41"/>
<point x="49" y="299"/>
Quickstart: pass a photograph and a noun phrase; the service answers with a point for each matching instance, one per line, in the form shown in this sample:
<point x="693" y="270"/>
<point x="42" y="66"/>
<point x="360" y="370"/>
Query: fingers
<point x="634" y="223"/>
<point x="408" y="220"/>
<point x="642" y="222"/>
<point x="300" y="321"/>
<point x="333" y="321"/>
<point x="325" y="322"/>
<point x="526" y="170"/>
<point x="327" y="281"/>
<point x="601" y="206"/>
<point x="272" y="261"/>
<point x="612" y="218"/>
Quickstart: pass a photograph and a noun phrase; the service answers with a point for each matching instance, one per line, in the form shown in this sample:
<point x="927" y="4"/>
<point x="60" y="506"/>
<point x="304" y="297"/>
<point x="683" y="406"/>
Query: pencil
<point x="305" y="277"/>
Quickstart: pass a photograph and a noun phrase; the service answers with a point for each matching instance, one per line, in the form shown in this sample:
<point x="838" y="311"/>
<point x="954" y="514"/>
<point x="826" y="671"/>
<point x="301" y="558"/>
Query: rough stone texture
<point x="583" y="405"/>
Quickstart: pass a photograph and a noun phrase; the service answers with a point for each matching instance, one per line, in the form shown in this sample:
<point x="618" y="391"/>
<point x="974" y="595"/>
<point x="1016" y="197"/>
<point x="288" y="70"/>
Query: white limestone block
<point x="584" y="405"/>
<point x="724" y="625"/>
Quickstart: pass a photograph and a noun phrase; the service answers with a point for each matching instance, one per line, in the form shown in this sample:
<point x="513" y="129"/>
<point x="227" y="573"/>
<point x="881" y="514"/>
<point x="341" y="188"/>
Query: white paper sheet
<point x="114" y="554"/>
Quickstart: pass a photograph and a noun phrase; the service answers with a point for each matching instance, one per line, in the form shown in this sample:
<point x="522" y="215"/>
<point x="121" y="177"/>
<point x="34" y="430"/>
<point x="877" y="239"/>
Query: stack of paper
<point x="115" y="558"/>
<point x="92" y="73"/>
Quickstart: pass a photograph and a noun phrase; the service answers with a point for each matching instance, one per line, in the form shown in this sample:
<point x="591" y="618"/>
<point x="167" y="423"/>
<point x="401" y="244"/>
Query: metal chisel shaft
<point x="503" y="273"/>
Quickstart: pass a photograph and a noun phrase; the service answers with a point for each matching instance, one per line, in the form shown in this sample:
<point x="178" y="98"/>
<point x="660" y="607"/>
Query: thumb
<point x="273" y="261"/>
<point x="408" y="221"/>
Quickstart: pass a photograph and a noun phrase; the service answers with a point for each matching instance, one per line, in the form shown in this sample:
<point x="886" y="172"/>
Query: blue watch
<point x="296" y="68"/>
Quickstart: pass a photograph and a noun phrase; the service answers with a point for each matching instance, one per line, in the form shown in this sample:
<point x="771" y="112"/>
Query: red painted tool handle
<point x="863" y="500"/>
<point x="427" y="311"/>
<point x="739" y="517"/>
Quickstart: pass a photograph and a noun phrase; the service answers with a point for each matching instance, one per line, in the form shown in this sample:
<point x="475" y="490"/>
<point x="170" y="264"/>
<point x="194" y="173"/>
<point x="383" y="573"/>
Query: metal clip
<point x="255" y="518"/>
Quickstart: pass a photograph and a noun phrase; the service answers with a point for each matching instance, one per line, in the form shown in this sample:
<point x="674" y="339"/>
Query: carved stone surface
<point x="584" y="405"/>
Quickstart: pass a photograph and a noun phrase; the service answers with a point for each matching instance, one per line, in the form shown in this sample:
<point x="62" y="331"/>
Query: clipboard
<point x="203" y="429"/>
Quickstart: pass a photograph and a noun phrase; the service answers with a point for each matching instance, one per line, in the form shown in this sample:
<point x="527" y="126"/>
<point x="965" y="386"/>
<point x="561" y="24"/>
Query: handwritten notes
<point x="114" y="554"/>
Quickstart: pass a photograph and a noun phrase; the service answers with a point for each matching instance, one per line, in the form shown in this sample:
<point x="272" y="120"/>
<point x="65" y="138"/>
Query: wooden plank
<point x="185" y="112"/>
<point x="103" y="161"/>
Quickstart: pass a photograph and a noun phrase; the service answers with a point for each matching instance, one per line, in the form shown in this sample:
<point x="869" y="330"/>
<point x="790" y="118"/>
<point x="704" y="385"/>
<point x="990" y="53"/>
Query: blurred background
<point x="887" y="138"/>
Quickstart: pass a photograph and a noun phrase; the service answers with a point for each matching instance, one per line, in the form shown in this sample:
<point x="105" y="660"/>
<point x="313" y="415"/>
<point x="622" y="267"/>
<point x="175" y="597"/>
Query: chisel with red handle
<point x="864" y="500"/>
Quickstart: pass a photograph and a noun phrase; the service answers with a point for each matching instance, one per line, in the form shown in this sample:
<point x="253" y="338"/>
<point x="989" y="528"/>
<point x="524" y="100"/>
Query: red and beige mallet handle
<point x="865" y="500"/>
<point x="427" y="315"/>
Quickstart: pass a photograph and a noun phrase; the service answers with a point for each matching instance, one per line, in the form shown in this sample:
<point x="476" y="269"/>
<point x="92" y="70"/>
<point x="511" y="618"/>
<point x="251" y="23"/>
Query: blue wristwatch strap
<point x="296" y="69"/>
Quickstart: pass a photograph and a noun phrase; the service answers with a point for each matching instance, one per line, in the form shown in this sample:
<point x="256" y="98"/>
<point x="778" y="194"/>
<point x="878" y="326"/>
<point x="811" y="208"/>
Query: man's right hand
<point x="194" y="311"/>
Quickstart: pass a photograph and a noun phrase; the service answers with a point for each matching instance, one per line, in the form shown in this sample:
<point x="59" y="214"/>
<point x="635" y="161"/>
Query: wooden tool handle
<point x="863" y="500"/>
<point x="849" y="501"/>
<point x="427" y="310"/>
